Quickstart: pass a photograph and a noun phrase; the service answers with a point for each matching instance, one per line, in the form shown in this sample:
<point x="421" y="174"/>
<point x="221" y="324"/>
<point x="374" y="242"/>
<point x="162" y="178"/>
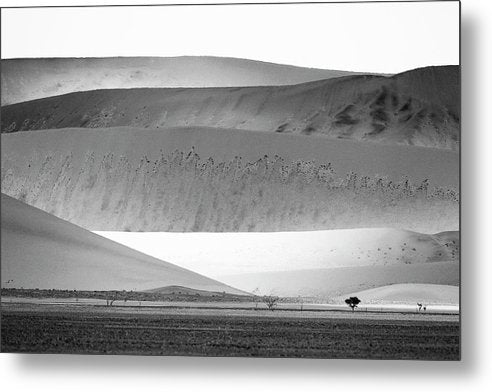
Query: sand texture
<point x="420" y="107"/>
<point x="193" y="180"/>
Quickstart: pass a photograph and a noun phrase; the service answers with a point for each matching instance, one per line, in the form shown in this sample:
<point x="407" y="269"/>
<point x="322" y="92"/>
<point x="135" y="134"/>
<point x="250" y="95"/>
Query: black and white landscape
<point x="243" y="200"/>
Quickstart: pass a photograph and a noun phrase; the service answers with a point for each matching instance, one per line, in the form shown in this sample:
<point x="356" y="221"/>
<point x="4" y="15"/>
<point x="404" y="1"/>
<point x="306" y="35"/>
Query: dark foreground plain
<point x="100" y="330"/>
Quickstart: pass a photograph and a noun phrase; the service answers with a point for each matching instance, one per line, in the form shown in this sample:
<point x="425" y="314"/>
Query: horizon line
<point x="382" y="73"/>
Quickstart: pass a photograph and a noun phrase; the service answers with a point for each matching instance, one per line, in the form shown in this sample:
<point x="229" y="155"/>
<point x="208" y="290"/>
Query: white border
<point x="85" y="373"/>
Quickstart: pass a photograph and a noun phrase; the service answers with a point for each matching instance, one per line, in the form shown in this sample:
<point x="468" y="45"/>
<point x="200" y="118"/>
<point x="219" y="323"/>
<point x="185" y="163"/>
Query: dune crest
<point x="28" y="79"/>
<point x="419" y="107"/>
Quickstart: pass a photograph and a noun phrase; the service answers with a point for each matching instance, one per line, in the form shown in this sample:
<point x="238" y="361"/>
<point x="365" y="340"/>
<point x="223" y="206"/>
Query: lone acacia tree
<point x="352" y="302"/>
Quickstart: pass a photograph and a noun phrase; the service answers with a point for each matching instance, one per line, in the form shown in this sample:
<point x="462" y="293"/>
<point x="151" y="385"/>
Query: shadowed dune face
<point x="124" y="179"/>
<point x="41" y="251"/>
<point x="28" y="79"/>
<point x="419" y="107"/>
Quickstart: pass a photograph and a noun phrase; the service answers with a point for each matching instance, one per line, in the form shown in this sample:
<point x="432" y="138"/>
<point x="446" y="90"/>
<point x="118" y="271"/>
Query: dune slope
<point x="28" y="79"/>
<point x="193" y="180"/>
<point x="41" y="251"/>
<point x="419" y="107"/>
<point x="333" y="282"/>
<point x="411" y="293"/>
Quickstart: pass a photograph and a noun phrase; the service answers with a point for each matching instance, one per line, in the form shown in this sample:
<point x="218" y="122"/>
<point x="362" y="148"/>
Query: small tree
<point x="352" y="302"/>
<point x="271" y="301"/>
<point x="110" y="298"/>
<point x="256" y="297"/>
<point x="301" y="301"/>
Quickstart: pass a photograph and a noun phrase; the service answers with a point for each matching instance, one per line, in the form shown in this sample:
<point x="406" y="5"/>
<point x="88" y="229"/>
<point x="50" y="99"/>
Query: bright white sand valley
<point x="215" y="254"/>
<point x="315" y="263"/>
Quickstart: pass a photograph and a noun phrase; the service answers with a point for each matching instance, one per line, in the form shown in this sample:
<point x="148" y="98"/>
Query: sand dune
<point x="323" y="264"/>
<point x="411" y="293"/>
<point x="439" y="166"/>
<point x="281" y="157"/>
<point x="419" y="107"/>
<point x="334" y="282"/>
<point x="217" y="254"/>
<point x="28" y="79"/>
<point x="41" y="251"/>
<point x="449" y="241"/>
<point x="130" y="179"/>
<point x="180" y="290"/>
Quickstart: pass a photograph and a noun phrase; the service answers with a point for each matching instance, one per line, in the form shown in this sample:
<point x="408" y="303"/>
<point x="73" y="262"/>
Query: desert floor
<point x="208" y="331"/>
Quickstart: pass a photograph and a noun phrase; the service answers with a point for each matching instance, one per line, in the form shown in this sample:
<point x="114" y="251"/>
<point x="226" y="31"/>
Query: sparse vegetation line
<point x="183" y="192"/>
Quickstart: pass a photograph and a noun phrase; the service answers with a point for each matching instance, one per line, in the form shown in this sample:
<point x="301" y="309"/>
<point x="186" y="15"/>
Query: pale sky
<point x="374" y="37"/>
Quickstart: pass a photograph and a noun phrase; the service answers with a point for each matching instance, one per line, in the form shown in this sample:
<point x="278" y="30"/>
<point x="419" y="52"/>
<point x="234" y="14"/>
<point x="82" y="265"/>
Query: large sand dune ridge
<point x="132" y="179"/>
<point x="28" y="79"/>
<point x="419" y="107"/>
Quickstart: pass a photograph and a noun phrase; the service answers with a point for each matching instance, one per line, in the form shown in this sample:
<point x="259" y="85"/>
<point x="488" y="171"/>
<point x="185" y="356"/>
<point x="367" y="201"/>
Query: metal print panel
<point x="276" y="180"/>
